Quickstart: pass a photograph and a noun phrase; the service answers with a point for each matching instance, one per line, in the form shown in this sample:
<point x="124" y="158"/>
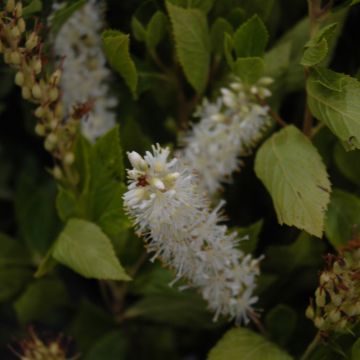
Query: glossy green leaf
<point x="250" y="39"/>
<point x="192" y="43"/>
<point x="296" y="178"/>
<point x="240" y="343"/>
<point x="249" y="69"/>
<point x="348" y="162"/>
<point x="116" y="47"/>
<point x="83" y="247"/>
<point x="342" y="218"/>
<point x="335" y="99"/>
<point x="156" y="29"/>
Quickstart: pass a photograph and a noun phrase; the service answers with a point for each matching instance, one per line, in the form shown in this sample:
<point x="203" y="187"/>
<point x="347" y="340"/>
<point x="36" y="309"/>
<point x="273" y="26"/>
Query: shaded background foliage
<point x="164" y="323"/>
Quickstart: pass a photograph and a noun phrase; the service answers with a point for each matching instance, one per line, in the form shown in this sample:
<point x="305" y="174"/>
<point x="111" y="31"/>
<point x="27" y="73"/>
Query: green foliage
<point x="34" y="7"/>
<point x="249" y="69"/>
<point x="343" y="218"/>
<point x="83" y="247"/>
<point x="250" y="236"/>
<point x="250" y="39"/>
<point x="348" y="162"/>
<point x="294" y="174"/>
<point x="60" y="17"/>
<point x="191" y="36"/>
<point x="334" y="99"/>
<point x="317" y="48"/>
<point x="219" y="28"/>
<point x="156" y="29"/>
<point x="355" y="350"/>
<point x="240" y="343"/>
<point x="116" y="47"/>
<point x="280" y="322"/>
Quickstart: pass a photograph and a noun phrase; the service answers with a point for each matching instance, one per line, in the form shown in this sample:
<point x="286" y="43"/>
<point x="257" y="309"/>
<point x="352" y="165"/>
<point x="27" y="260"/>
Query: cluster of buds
<point x="336" y="307"/>
<point x="22" y="51"/>
<point x="35" y="349"/>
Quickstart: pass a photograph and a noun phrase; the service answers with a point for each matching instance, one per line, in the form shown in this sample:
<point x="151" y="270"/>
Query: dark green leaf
<point x="280" y="322"/>
<point x="12" y="281"/>
<point x="34" y="7"/>
<point x="251" y="38"/>
<point x="12" y="253"/>
<point x="64" y="13"/>
<point x="192" y="42"/>
<point x="342" y="218"/>
<point x="83" y="247"/>
<point x="348" y="162"/>
<point x="138" y="29"/>
<point x="217" y="34"/>
<point x="355" y="350"/>
<point x="250" y="235"/>
<point x="116" y="47"/>
<point x="156" y="29"/>
<point x="39" y="299"/>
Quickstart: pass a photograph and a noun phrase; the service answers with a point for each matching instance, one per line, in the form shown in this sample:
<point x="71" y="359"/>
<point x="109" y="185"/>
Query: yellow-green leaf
<point x="241" y="344"/>
<point x="83" y="247"/>
<point x="192" y="43"/>
<point x="294" y="174"/>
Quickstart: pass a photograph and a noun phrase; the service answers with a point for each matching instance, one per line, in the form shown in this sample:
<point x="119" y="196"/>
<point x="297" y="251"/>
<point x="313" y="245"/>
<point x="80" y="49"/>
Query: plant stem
<point x="272" y="113"/>
<point x="311" y="347"/>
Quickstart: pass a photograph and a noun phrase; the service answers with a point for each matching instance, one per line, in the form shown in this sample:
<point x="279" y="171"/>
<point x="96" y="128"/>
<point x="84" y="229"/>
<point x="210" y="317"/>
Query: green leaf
<point x="277" y="60"/>
<point x="156" y="29"/>
<point x="34" y="7"/>
<point x="204" y="5"/>
<point x="304" y="252"/>
<point x="317" y="48"/>
<point x="64" y="13"/>
<point x="296" y="178"/>
<point x="228" y="50"/>
<point x="280" y="322"/>
<point x="250" y="39"/>
<point x="12" y="253"/>
<point x="249" y="69"/>
<point x="116" y="48"/>
<point x="315" y="54"/>
<point x="138" y="29"/>
<point x="111" y="346"/>
<point x="41" y="298"/>
<point x="217" y="34"/>
<point x="250" y="235"/>
<point x="335" y="99"/>
<point x="355" y="350"/>
<point x="348" y="162"/>
<point x="83" y="247"/>
<point x="342" y="218"/>
<point x="241" y="343"/>
<point x="12" y="281"/>
<point x="192" y="42"/>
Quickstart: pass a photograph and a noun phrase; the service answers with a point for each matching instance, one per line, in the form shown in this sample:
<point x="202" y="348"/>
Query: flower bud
<point x="310" y="313"/>
<point x="26" y="92"/>
<point x="137" y="161"/>
<point x="156" y="182"/>
<point x="36" y="91"/>
<point x="69" y="158"/>
<point x="18" y="9"/>
<point x="37" y="66"/>
<point x="57" y="173"/>
<point x="15" y="58"/>
<point x="21" y="25"/>
<point x="53" y="94"/>
<point x="319" y="322"/>
<point x="320" y="297"/>
<point x="19" y="78"/>
<point x="32" y="41"/>
<point x="55" y="77"/>
<point x="10" y="5"/>
<point x="40" y="129"/>
<point x="39" y="112"/>
<point x="15" y="32"/>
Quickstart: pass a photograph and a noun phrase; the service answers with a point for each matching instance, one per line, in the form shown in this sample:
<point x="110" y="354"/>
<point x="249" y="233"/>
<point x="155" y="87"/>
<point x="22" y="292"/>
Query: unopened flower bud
<point x="21" y="25"/>
<point x="137" y="161"/>
<point x="10" y="5"/>
<point x="158" y="184"/>
<point x="50" y="142"/>
<point x="39" y="112"/>
<point x="32" y="41"/>
<point x="40" y="129"/>
<point x="310" y="313"/>
<point x="69" y="158"/>
<point x="53" y="94"/>
<point x="320" y="297"/>
<point x="19" y="78"/>
<point x="37" y="66"/>
<point x="334" y="315"/>
<point x="57" y="173"/>
<point x="18" y="9"/>
<point x="36" y="91"/>
<point x="15" y="58"/>
<point x="319" y="322"/>
<point x="15" y="32"/>
<point x="55" y="77"/>
<point x="26" y="92"/>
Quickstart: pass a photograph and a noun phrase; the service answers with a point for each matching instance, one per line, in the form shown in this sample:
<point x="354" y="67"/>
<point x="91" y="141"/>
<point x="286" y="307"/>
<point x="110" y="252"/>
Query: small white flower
<point x="228" y="129"/>
<point x="85" y="76"/>
<point x="169" y="208"/>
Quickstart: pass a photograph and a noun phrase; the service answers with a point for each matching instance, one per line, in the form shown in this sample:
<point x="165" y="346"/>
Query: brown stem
<point x="272" y="113"/>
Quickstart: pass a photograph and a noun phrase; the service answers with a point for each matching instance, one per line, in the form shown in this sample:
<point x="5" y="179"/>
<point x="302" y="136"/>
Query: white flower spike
<point x="169" y="208"/>
<point x="228" y="129"/>
<point x="85" y="76"/>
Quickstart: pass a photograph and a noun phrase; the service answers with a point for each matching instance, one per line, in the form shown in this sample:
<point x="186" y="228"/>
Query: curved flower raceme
<point x="166" y="202"/>
<point x="85" y="76"/>
<point x="228" y="129"/>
